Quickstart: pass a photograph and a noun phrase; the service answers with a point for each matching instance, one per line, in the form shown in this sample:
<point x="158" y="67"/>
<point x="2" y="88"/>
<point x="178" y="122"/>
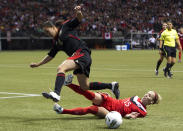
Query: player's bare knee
<point x="61" y="69"/>
<point x="98" y="99"/>
<point x="102" y="112"/>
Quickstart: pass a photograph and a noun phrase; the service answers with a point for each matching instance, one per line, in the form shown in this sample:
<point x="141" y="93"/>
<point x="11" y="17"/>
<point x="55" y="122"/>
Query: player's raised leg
<point x="67" y="65"/>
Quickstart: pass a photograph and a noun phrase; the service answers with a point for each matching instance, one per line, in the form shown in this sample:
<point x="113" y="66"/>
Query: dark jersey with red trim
<point x="66" y="39"/>
<point x="160" y="33"/>
<point x="181" y="38"/>
<point x="129" y="105"/>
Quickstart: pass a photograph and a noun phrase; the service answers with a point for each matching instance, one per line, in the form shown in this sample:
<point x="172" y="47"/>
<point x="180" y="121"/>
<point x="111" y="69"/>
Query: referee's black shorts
<point x="170" y="51"/>
<point x="82" y="57"/>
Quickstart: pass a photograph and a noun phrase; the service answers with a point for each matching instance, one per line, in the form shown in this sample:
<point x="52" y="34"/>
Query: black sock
<point x="100" y="86"/>
<point x="171" y="65"/>
<point x="168" y="65"/>
<point x="158" y="64"/>
<point x="59" y="82"/>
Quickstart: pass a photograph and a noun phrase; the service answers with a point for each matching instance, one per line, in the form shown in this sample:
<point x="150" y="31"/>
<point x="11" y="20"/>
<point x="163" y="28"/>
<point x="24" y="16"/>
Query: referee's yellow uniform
<point x="169" y="37"/>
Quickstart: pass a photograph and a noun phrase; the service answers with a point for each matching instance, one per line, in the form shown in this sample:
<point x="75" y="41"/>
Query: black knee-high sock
<point x="158" y="64"/>
<point x="171" y="65"/>
<point x="168" y="65"/>
<point x="59" y="82"/>
<point x="100" y="86"/>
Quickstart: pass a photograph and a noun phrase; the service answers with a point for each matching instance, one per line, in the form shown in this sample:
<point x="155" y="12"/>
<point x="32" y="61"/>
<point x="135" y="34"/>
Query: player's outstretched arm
<point x="45" y="60"/>
<point x="79" y="14"/>
<point x="179" y="45"/>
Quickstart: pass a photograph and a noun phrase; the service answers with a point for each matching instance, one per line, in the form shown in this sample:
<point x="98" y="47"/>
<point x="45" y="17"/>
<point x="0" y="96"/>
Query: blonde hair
<point x="157" y="98"/>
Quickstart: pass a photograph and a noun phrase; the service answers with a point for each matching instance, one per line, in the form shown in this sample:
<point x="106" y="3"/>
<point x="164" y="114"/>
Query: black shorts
<point x="170" y="51"/>
<point x="82" y="57"/>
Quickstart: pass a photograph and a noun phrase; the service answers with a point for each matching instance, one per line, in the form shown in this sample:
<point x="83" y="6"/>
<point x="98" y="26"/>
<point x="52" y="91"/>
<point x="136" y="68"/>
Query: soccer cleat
<point x="57" y="108"/>
<point x="68" y="79"/>
<point x="179" y="61"/>
<point x="52" y="95"/>
<point x="156" y="72"/>
<point x="169" y="74"/>
<point x="115" y="89"/>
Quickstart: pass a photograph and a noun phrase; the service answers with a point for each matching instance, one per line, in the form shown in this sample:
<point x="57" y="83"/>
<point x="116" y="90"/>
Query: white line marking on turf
<point x="22" y="95"/>
<point x="114" y="69"/>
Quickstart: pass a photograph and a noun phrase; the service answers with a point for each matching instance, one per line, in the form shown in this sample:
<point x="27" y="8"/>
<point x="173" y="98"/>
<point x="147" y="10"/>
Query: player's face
<point x="148" y="98"/>
<point x="164" y="26"/>
<point x="169" y="25"/>
<point x="181" y="30"/>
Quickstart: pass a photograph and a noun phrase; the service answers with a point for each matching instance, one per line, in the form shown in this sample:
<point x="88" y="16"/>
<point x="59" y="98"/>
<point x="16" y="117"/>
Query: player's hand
<point x="33" y="65"/>
<point x="160" y="52"/>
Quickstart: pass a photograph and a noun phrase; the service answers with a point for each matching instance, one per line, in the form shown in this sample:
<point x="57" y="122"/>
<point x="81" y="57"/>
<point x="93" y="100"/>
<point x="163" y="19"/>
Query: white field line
<point x="113" y="69"/>
<point x="20" y="95"/>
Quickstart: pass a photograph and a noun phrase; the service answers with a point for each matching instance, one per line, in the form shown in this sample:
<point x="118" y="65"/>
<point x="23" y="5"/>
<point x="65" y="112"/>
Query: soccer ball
<point x="113" y="119"/>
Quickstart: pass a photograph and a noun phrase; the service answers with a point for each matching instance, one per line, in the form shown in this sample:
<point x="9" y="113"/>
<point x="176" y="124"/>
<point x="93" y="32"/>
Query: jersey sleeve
<point x="138" y="106"/>
<point x="73" y="23"/>
<point x="53" y="51"/>
<point x="162" y="37"/>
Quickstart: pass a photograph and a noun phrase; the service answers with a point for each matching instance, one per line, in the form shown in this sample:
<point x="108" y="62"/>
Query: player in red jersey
<point x="162" y="54"/>
<point x="131" y="107"/>
<point x="181" y="42"/>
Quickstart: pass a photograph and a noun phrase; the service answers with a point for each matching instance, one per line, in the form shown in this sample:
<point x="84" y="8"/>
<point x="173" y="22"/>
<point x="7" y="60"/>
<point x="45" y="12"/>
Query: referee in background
<point x="170" y="38"/>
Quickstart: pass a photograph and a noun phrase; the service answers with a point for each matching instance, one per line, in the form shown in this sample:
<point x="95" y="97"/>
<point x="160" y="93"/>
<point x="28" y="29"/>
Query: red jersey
<point x="124" y="106"/>
<point x="181" y="38"/>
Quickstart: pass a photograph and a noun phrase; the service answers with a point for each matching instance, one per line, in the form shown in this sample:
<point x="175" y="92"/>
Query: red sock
<point x="88" y="94"/>
<point x="81" y="111"/>
<point x="180" y="54"/>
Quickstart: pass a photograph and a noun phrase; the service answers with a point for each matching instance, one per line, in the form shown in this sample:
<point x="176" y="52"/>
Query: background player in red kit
<point x="162" y="53"/>
<point x="181" y="42"/>
<point x="131" y="107"/>
<point x="79" y="60"/>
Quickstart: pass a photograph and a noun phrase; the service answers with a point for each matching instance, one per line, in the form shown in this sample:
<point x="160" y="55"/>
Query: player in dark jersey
<point x="79" y="58"/>
<point x="162" y="53"/>
<point x="181" y="42"/>
<point x="131" y="107"/>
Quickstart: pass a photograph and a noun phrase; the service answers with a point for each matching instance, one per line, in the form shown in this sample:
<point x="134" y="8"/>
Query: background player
<point x="79" y="57"/>
<point x="162" y="53"/>
<point x="181" y="42"/>
<point x="169" y="37"/>
<point x="131" y="107"/>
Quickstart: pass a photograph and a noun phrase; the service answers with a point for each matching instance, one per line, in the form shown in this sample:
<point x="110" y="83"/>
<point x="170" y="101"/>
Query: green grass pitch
<point x="134" y="70"/>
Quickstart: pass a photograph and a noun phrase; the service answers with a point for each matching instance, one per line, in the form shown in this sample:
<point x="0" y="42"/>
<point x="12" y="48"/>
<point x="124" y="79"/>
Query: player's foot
<point x="115" y="89"/>
<point x="57" y="108"/>
<point x="68" y="79"/>
<point x="52" y="95"/>
<point x="156" y="72"/>
<point x="169" y="74"/>
<point x="179" y="61"/>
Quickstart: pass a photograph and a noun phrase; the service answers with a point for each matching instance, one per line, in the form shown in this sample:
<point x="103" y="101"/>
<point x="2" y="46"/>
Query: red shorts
<point x="108" y="103"/>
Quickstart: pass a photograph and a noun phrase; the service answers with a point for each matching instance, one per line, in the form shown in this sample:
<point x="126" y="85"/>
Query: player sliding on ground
<point x="79" y="59"/>
<point x="131" y="107"/>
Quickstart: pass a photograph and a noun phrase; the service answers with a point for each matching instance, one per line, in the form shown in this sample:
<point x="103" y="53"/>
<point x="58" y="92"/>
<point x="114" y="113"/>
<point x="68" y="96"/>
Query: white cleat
<point x="57" y="108"/>
<point x="52" y="95"/>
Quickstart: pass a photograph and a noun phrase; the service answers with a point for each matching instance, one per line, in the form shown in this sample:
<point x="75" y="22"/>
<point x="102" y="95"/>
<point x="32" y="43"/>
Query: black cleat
<point x="115" y="89"/>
